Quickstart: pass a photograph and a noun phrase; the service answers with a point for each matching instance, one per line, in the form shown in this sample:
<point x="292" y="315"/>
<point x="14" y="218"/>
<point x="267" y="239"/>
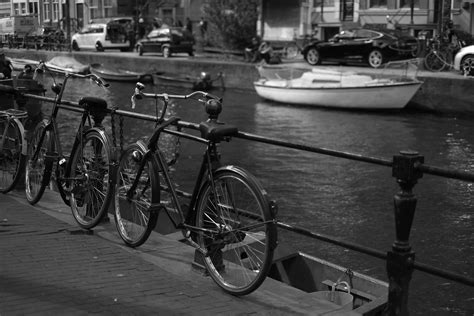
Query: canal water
<point x="334" y="196"/>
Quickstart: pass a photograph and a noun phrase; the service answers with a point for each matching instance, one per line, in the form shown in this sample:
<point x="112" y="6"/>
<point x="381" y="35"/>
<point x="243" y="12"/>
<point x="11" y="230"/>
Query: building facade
<point x="279" y="19"/>
<point x="287" y="19"/>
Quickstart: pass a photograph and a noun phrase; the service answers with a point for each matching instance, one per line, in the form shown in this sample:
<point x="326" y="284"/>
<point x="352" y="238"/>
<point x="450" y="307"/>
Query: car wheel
<point x="166" y="51"/>
<point x="75" y="46"/>
<point x="375" y="58"/>
<point x="312" y="56"/>
<point x="99" y="47"/>
<point x="467" y="65"/>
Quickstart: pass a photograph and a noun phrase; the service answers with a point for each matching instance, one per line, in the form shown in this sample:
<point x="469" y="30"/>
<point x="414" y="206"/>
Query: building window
<point x="324" y="3"/>
<point x="94" y="9"/>
<point x="55" y="10"/>
<point x="108" y="8"/>
<point x="46" y="10"/>
<point x="407" y="3"/>
<point x="33" y="8"/>
<point x="378" y="3"/>
<point x="16" y="9"/>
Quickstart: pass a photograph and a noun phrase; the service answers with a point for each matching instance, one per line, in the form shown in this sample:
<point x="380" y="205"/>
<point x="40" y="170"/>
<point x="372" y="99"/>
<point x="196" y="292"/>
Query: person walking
<point x="203" y="28"/>
<point x="6" y="66"/>
<point x="189" y="25"/>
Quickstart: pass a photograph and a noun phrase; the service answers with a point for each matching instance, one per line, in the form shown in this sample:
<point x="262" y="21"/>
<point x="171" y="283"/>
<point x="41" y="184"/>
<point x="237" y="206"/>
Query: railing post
<point x="401" y="258"/>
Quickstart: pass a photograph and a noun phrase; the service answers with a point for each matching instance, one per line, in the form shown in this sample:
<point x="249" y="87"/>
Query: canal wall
<point x="445" y="92"/>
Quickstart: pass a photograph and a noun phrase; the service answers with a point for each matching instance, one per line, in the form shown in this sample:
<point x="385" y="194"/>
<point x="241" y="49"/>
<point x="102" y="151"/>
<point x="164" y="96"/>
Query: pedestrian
<point x="189" y="25"/>
<point x="251" y="53"/>
<point x="203" y="28"/>
<point x="27" y="73"/>
<point x="6" y="67"/>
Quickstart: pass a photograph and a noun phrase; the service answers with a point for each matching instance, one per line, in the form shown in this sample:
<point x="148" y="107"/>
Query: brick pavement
<point x="49" y="266"/>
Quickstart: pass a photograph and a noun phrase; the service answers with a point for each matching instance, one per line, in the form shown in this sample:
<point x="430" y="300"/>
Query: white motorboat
<point x="339" y="89"/>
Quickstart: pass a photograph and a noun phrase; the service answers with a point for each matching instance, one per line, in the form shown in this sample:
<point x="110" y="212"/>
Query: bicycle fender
<point x="24" y="144"/>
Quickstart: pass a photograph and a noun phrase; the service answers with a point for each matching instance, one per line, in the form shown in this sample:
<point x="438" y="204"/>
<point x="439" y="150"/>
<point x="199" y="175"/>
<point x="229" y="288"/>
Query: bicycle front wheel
<point x="12" y="160"/>
<point x="133" y="218"/>
<point x="238" y="234"/>
<point x="38" y="169"/>
<point x="435" y="61"/>
<point x="87" y="176"/>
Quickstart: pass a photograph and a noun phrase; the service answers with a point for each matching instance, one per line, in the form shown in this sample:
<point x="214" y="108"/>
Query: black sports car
<point x="372" y="46"/>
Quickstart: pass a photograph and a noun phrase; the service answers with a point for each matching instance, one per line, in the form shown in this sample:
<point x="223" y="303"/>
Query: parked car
<point x="101" y="36"/>
<point x="167" y="40"/>
<point x="464" y="60"/>
<point x="372" y="46"/>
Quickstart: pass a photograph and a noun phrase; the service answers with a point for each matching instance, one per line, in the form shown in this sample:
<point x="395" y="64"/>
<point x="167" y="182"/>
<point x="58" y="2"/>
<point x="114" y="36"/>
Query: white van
<point x="101" y="36"/>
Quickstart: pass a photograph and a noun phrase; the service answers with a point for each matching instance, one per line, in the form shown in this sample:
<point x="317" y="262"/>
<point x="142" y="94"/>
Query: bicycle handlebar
<point x="138" y="94"/>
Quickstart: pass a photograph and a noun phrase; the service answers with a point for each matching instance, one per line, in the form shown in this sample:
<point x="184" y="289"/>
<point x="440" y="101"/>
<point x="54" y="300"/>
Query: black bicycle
<point x="83" y="178"/>
<point x="229" y="219"/>
<point x="12" y="146"/>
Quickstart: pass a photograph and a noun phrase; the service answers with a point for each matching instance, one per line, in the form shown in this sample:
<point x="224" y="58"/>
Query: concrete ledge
<point x="445" y="92"/>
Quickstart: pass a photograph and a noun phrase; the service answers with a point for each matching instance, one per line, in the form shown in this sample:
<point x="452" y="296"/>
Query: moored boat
<point x="62" y="64"/>
<point x="110" y="74"/>
<point x="338" y="89"/>
<point x="204" y="81"/>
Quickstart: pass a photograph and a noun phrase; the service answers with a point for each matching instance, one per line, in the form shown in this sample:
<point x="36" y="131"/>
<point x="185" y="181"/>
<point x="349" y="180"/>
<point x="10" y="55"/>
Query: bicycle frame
<point x="210" y="163"/>
<point x="51" y="124"/>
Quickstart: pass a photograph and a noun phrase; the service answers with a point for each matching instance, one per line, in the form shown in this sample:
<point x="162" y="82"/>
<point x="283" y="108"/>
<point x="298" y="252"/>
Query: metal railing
<point x="407" y="168"/>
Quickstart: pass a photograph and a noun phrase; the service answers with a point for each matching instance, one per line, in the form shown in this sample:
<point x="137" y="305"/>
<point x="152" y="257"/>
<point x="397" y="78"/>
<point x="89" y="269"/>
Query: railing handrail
<point x="414" y="169"/>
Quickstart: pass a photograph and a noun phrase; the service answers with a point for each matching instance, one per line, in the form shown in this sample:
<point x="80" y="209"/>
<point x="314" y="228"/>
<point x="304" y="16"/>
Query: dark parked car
<point x="372" y="46"/>
<point x="167" y="40"/>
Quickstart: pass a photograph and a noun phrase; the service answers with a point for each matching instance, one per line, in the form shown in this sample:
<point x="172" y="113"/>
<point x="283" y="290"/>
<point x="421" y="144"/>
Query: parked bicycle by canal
<point x="229" y="220"/>
<point x="12" y="146"/>
<point x="440" y="55"/>
<point x="83" y="178"/>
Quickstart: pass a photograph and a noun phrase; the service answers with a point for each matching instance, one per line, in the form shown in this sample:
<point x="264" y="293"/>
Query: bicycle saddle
<point x="93" y="103"/>
<point x="215" y="131"/>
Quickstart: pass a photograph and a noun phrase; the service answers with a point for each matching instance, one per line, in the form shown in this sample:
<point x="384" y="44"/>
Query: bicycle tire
<point x="12" y="158"/>
<point x="87" y="176"/>
<point x="239" y="254"/>
<point x="435" y="61"/>
<point x="133" y="219"/>
<point x="38" y="170"/>
<point x="59" y="175"/>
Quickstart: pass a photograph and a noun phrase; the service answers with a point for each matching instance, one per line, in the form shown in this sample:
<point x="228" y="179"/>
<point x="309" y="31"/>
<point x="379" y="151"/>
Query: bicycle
<point x="440" y="55"/>
<point x="82" y="179"/>
<point x="230" y="220"/>
<point x="12" y="146"/>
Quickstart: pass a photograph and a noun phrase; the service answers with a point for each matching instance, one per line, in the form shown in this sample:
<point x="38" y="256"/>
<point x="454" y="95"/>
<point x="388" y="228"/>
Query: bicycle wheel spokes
<point x="11" y="159"/>
<point x="36" y="165"/>
<point x="89" y="180"/>
<point x="239" y="251"/>
<point x="436" y="61"/>
<point x="133" y="218"/>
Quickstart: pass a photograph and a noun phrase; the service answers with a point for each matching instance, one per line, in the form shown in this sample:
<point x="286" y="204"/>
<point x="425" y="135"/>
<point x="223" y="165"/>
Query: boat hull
<point x="63" y="64"/>
<point x="393" y="96"/>
<point x="119" y="75"/>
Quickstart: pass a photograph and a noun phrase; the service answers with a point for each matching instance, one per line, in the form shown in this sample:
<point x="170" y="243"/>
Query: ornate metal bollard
<point x="401" y="258"/>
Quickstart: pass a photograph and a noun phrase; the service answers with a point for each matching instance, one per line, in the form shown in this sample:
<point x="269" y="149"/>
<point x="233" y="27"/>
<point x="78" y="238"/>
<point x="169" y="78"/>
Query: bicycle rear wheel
<point x="38" y="168"/>
<point x="12" y="160"/>
<point x="133" y="218"/>
<point x="435" y="61"/>
<point x="240" y="247"/>
<point x="87" y="176"/>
